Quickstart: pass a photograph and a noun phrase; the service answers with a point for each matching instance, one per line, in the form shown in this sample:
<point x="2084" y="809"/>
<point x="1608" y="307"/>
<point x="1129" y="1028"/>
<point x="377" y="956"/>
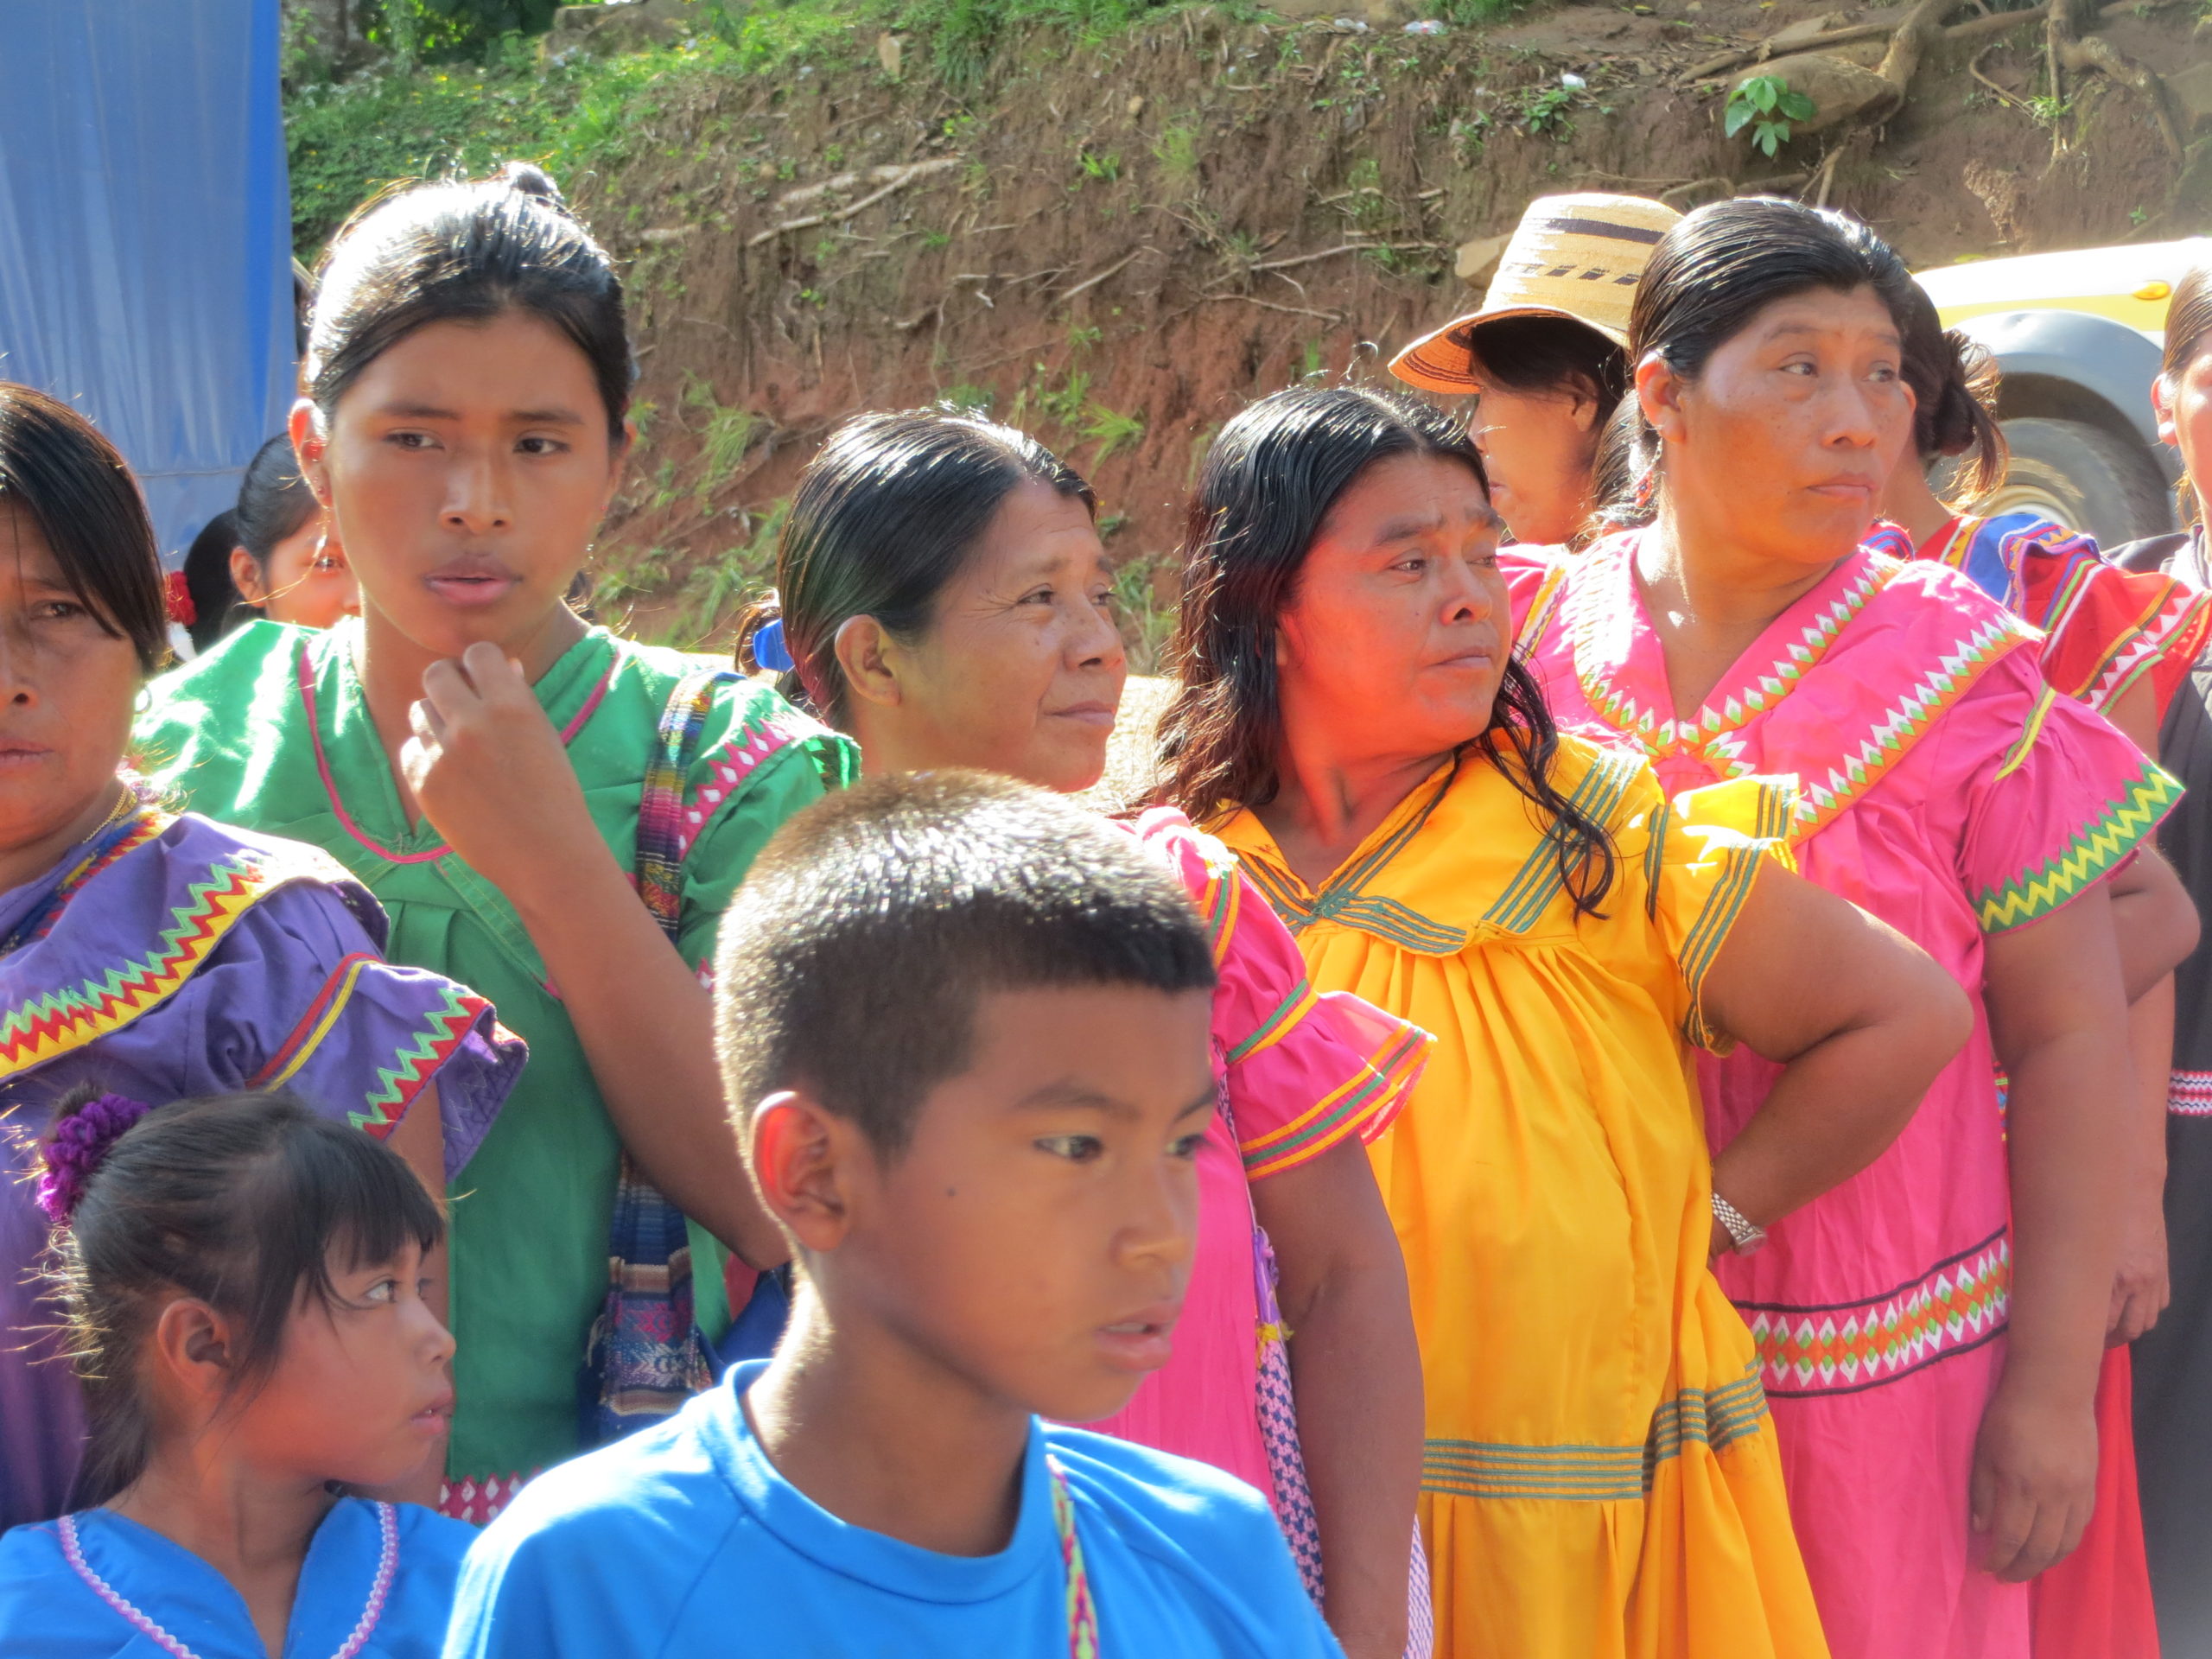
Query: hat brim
<point x="1439" y="361"/>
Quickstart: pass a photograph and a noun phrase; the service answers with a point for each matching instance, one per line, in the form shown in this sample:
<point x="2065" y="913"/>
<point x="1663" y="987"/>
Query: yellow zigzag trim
<point x="2106" y="839"/>
<point x="69" y="1017"/>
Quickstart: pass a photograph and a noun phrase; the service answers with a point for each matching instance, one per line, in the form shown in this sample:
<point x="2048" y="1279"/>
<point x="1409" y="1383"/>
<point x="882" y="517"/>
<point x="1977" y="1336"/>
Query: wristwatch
<point x="1748" y="1234"/>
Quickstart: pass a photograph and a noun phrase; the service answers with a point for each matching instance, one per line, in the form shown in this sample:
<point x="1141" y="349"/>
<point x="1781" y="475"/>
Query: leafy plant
<point x="1146" y="624"/>
<point x="719" y="586"/>
<point x="1104" y="165"/>
<point x="1177" y="151"/>
<point x="446" y="30"/>
<point x="1111" y="430"/>
<point x="1767" y="104"/>
<point x="1064" y="402"/>
<point x="1545" y="113"/>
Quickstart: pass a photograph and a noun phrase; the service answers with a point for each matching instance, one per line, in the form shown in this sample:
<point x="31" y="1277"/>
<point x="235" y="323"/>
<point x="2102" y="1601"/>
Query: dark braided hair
<point x="1267" y="482"/>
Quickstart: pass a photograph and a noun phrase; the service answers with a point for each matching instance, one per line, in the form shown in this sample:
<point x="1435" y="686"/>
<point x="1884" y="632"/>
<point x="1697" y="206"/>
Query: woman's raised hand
<point x="492" y="775"/>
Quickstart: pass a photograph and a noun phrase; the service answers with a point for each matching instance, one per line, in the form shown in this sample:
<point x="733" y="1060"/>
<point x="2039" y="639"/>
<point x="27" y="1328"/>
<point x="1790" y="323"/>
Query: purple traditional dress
<point x="167" y="957"/>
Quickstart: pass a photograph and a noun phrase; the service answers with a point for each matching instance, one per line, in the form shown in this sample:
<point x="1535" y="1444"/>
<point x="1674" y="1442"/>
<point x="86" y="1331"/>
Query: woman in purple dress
<point x="157" y="954"/>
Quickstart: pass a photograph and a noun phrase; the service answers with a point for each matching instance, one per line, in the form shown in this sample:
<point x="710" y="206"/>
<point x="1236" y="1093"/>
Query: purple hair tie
<point x="74" y="1150"/>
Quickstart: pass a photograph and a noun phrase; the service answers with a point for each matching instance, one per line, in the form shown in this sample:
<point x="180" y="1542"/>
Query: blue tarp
<point x="145" y="233"/>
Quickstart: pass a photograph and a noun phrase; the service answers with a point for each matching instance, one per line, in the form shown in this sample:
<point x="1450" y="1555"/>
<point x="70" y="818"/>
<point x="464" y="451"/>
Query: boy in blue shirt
<point x="966" y="1025"/>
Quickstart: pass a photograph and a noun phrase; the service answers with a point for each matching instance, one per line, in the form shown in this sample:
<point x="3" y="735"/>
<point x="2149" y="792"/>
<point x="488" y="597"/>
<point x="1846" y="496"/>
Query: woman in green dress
<point x="510" y="783"/>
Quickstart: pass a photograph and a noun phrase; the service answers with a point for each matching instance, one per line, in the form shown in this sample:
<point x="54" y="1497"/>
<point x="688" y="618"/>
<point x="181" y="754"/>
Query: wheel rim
<point x="2028" y="495"/>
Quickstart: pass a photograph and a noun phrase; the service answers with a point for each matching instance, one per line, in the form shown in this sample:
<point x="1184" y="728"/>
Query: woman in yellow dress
<point x="1600" y="1476"/>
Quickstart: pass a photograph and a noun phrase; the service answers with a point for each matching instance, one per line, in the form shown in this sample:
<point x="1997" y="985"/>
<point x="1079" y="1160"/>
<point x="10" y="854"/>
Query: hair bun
<point x="81" y="1140"/>
<point x="532" y="181"/>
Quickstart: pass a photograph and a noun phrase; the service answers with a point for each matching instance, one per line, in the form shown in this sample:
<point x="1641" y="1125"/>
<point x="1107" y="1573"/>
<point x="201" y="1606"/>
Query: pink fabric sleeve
<point x="1534" y="578"/>
<point x="2056" y="798"/>
<point x="1307" y="1070"/>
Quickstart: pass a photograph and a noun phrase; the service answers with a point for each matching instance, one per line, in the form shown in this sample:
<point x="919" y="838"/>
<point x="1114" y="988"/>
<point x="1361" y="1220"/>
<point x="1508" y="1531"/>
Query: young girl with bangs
<point x="246" y="1298"/>
<point x="555" y="815"/>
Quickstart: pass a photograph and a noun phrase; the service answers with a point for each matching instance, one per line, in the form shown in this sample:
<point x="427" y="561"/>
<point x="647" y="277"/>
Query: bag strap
<point x="661" y="842"/>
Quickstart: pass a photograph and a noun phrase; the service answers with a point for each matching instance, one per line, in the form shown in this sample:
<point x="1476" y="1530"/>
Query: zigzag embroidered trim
<point x="379" y="1588"/>
<point x="1595" y="605"/>
<point x="1819" y="802"/>
<point x="2095" y="847"/>
<point x="742" y="753"/>
<point x="2190" y="1094"/>
<point x="67" y="1019"/>
<point x="1714" y="1418"/>
<point x="397" y="1085"/>
<point x="1958" y="1303"/>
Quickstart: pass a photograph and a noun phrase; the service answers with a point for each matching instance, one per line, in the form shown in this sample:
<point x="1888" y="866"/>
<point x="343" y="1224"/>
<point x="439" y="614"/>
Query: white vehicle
<point x="2078" y="335"/>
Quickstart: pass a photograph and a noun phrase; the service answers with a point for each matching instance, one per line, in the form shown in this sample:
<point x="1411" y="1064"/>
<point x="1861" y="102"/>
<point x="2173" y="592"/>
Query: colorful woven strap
<point x="660" y="809"/>
<point x="379" y="1588"/>
<point x="1083" y="1612"/>
<point x="645" y="1356"/>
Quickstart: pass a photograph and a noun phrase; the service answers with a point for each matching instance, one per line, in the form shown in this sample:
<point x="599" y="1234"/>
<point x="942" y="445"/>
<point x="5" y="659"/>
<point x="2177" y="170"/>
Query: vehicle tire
<point x="2083" y="477"/>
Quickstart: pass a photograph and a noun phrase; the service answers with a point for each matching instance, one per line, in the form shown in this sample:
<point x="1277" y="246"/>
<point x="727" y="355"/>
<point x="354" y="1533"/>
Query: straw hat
<point x="1576" y="257"/>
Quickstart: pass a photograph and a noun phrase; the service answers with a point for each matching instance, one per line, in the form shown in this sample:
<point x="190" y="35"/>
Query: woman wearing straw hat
<point x="1548" y="355"/>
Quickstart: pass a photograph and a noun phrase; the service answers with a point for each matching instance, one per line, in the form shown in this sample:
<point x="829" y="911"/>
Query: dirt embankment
<point x="1117" y="247"/>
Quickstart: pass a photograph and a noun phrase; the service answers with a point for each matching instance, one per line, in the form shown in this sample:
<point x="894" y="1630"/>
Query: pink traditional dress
<point x="2106" y="631"/>
<point x="1945" y="787"/>
<point x="1298" y="1073"/>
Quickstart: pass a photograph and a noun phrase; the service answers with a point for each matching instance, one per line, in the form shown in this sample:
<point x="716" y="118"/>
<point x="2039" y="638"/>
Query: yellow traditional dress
<point x="1600" y="1477"/>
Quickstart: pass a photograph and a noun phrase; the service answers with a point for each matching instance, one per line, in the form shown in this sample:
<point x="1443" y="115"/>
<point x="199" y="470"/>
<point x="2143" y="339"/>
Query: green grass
<point x="413" y="119"/>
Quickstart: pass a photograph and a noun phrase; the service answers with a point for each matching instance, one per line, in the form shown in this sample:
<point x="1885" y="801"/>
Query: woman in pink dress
<point x="945" y="599"/>
<point x="1930" y="1330"/>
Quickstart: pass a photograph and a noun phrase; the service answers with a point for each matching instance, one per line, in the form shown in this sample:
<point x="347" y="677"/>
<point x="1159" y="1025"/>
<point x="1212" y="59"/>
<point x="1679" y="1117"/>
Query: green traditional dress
<point x="270" y="730"/>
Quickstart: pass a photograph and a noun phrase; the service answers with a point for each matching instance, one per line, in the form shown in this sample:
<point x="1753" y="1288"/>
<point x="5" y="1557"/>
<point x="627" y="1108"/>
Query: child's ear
<point x="192" y="1345"/>
<point x="803" y="1160"/>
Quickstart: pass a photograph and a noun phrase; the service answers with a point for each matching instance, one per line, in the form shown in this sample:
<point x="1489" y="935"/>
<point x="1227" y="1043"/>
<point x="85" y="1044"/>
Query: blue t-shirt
<point x="51" y="1609"/>
<point x="685" y="1540"/>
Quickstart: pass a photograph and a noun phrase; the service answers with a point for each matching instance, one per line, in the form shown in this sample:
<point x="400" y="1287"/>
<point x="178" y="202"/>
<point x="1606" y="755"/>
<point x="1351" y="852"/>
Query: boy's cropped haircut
<point x="852" y="961"/>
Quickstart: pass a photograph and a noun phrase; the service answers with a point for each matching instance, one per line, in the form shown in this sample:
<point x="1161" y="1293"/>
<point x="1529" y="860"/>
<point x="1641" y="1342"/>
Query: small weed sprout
<point x="1111" y="430"/>
<point x="1546" y="113"/>
<point x="1768" y="106"/>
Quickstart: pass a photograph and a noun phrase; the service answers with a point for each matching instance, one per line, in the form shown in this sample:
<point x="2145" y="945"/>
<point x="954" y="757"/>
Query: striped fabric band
<point x="2190" y="1094"/>
<point x="299" y="1048"/>
<point x="1604" y="229"/>
<point x="1777" y="805"/>
<point x="1714" y="1418"/>
<point x="1538" y="881"/>
<point x="1369" y="1101"/>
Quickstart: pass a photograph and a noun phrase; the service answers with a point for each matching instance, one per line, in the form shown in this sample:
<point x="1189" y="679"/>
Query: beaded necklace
<point x="127" y="817"/>
<point x="387" y="1565"/>
<point x="1082" y="1612"/>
